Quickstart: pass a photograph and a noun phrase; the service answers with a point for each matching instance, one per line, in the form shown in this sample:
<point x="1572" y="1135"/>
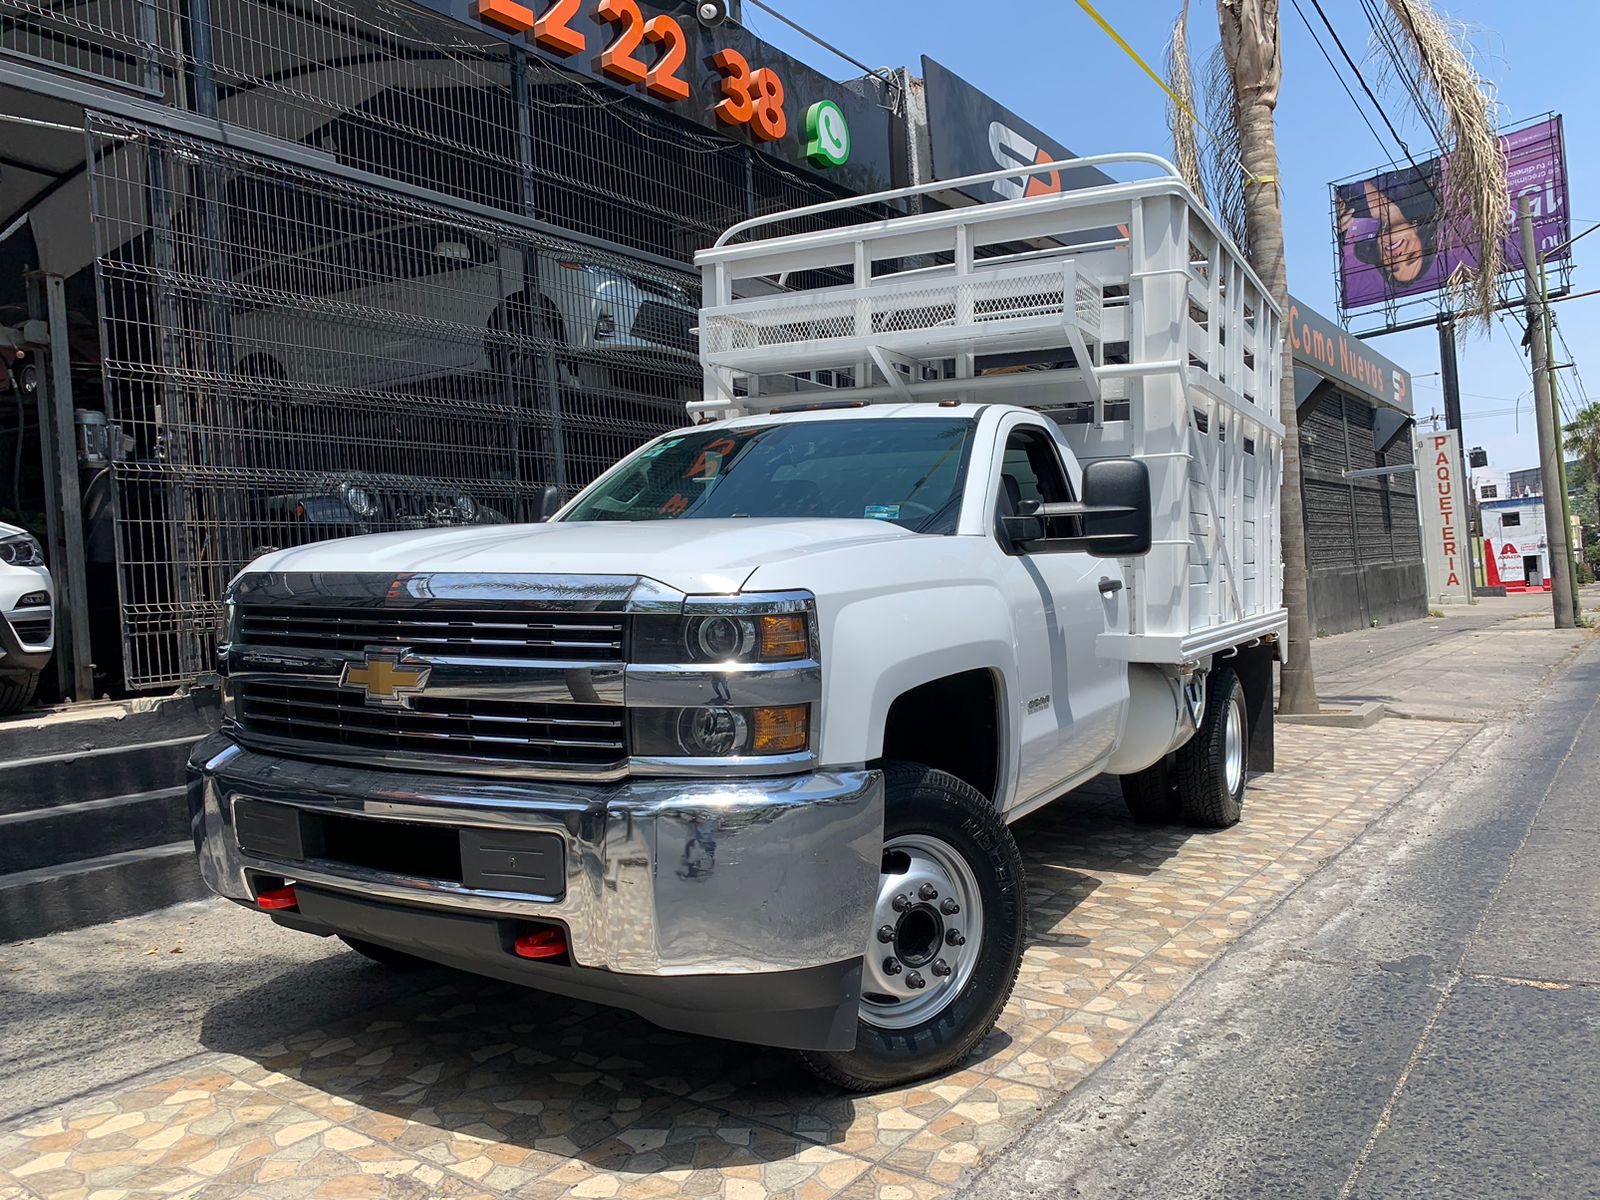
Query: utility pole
<point x="1555" y="522"/>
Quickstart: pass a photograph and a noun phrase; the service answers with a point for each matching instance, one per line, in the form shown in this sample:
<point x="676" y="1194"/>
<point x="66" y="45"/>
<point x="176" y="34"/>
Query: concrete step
<point x="48" y="899"/>
<point x="103" y="723"/>
<point x="66" y="833"/>
<point x="27" y="784"/>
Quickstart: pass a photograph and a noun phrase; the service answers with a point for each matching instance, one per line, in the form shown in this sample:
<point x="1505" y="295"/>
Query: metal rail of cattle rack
<point x="1121" y="310"/>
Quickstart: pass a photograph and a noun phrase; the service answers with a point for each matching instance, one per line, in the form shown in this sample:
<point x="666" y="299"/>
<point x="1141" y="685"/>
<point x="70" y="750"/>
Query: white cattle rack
<point x="1122" y="311"/>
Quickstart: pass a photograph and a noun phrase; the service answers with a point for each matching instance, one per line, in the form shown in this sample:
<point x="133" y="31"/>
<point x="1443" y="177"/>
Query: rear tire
<point x="17" y="689"/>
<point x="1211" y="766"/>
<point x="1152" y="794"/>
<point x="939" y="828"/>
<point x="397" y="960"/>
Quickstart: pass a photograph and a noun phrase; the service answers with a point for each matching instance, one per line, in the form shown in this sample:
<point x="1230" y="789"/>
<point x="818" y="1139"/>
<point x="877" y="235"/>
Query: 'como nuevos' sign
<point x="722" y="77"/>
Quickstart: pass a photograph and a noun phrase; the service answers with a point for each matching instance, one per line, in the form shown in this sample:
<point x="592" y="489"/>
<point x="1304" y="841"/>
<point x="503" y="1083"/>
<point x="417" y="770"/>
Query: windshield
<point x="905" y="470"/>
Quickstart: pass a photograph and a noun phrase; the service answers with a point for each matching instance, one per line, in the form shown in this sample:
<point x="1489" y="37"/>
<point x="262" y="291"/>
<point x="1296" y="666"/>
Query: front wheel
<point x="946" y="934"/>
<point x="17" y="690"/>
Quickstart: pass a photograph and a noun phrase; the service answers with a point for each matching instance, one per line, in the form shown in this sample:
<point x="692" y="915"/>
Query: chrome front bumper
<point x="663" y="878"/>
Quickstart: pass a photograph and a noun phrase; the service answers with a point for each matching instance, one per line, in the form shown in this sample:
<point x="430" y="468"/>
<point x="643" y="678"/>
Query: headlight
<point x="359" y="500"/>
<point x="723" y="638"/>
<point x="21" y="550"/>
<point x="714" y="731"/>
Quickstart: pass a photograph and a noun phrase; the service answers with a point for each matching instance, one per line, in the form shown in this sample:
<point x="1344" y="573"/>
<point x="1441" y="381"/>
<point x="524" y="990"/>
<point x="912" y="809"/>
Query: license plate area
<point x="497" y="860"/>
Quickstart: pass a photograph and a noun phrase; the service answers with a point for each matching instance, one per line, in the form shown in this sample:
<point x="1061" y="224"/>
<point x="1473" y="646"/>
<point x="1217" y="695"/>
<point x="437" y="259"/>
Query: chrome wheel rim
<point x="1233" y="746"/>
<point x="926" y="933"/>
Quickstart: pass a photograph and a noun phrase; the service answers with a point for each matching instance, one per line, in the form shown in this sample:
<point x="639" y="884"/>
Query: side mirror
<point x="549" y="502"/>
<point x="1115" y="517"/>
<point x="1116" y="493"/>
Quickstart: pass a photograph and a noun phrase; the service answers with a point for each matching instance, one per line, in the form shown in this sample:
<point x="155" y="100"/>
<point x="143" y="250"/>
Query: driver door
<point x="1071" y="700"/>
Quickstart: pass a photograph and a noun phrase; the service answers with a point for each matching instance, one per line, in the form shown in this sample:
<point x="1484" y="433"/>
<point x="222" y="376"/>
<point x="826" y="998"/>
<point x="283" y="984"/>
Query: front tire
<point x="17" y="690"/>
<point x="946" y="936"/>
<point x="1211" y="765"/>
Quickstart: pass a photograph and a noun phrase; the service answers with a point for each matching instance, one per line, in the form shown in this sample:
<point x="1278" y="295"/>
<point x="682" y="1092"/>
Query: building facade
<point x="311" y="270"/>
<point x="1363" y="526"/>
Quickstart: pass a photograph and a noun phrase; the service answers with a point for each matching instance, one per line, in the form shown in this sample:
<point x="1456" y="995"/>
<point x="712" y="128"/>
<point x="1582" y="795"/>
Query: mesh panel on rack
<point x="121" y="41"/>
<point x="296" y="357"/>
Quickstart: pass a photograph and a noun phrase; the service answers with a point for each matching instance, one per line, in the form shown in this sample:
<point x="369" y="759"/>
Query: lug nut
<point x="900" y="903"/>
<point x="928" y="892"/>
<point x="886" y="934"/>
<point x="950" y="908"/>
<point x="940" y="967"/>
<point x="891" y="966"/>
<point x="915" y="981"/>
<point x="955" y="937"/>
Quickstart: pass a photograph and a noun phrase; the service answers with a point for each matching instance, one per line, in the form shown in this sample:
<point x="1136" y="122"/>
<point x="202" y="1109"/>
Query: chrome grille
<point x="514" y="732"/>
<point x="498" y="634"/>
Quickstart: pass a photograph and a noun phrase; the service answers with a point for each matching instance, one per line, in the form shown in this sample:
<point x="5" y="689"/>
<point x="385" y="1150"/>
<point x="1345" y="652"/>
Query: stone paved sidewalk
<point x="479" y="1090"/>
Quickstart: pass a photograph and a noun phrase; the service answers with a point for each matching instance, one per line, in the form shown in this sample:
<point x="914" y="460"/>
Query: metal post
<point x="1549" y="447"/>
<point x="64" y="503"/>
<point x="1449" y="374"/>
<point x="1561" y="450"/>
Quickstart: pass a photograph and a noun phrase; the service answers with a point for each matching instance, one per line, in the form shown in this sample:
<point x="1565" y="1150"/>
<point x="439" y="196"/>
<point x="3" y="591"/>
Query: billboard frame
<point x="1428" y="306"/>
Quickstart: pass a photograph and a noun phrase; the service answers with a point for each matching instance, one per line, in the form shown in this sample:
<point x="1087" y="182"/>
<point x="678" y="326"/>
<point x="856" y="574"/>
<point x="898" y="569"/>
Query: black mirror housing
<point x="1120" y="484"/>
<point x="1114" y="517"/>
<point x="549" y="502"/>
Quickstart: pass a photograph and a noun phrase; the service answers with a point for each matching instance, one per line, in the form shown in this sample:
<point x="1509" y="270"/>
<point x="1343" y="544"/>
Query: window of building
<point x="1510" y="520"/>
<point x="1490" y="491"/>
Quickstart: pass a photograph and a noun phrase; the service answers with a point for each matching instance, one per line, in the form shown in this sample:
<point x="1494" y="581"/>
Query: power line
<point x="1339" y="75"/>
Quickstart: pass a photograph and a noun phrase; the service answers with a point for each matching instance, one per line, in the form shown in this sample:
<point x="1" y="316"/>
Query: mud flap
<point x="1254" y="669"/>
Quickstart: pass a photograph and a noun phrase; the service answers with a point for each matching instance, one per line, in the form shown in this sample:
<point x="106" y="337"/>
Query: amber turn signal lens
<point x="784" y="636"/>
<point x="782" y="730"/>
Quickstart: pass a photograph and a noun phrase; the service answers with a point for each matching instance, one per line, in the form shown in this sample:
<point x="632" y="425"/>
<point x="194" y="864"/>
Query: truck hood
<point x="712" y="557"/>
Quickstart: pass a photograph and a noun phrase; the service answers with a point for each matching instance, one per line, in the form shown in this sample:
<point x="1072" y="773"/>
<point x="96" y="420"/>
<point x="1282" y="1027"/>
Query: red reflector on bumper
<point x="277" y="898"/>
<point x="543" y="943"/>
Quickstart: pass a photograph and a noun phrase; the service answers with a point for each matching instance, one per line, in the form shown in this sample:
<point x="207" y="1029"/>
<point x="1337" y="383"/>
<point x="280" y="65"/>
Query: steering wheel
<point x="921" y="509"/>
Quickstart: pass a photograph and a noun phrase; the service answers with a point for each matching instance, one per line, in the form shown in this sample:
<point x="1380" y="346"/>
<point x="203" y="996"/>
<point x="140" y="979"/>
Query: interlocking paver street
<point x="474" y="1088"/>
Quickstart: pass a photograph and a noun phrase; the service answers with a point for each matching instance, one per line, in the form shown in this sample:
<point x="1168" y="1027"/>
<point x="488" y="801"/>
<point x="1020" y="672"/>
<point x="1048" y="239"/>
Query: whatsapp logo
<point x="827" y="135"/>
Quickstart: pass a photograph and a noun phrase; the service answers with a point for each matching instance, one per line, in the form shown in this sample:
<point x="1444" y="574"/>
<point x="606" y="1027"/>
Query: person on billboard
<point x="1389" y="233"/>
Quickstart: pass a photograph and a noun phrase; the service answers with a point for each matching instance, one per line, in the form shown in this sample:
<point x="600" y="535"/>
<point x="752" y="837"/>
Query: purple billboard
<point x="1394" y="243"/>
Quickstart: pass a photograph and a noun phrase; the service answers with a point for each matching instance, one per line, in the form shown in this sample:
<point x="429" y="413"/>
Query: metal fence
<point x="123" y="42"/>
<point x="292" y="357"/>
<point x="379" y="322"/>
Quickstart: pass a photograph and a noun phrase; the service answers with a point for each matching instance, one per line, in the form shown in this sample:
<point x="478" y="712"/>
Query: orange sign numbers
<point x="617" y="59"/>
<point x="752" y="98"/>
<point x="554" y="30"/>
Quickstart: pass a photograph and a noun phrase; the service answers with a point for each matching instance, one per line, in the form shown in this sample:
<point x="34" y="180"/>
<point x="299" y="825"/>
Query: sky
<point x="1049" y="63"/>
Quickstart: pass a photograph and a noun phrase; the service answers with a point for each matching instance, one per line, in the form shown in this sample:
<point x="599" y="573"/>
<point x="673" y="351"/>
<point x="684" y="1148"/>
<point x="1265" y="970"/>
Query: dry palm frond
<point x="1185" y="136"/>
<point x="1477" y="205"/>
<point x="1225" y="151"/>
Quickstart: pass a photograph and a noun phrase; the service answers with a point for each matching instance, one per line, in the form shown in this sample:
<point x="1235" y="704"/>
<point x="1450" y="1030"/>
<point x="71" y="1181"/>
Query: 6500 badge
<point x="650" y="53"/>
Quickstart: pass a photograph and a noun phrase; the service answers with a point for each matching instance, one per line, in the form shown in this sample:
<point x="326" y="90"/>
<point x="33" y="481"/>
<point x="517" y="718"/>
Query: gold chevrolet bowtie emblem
<point x="384" y="679"/>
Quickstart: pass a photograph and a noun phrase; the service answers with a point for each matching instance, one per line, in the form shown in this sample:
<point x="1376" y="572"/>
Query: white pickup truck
<point x="736" y="738"/>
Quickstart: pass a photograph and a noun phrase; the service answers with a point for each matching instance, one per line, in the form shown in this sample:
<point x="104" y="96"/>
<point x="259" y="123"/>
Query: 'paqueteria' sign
<point x="724" y="78"/>
<point x="1440" y="487"/>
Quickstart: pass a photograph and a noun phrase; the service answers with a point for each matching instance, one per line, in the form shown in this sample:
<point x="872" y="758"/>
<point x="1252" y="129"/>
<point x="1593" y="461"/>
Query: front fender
<point x="879" y="647"/>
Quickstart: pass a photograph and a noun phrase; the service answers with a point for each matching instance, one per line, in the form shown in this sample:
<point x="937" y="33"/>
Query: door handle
<point x="1109" y="586"/>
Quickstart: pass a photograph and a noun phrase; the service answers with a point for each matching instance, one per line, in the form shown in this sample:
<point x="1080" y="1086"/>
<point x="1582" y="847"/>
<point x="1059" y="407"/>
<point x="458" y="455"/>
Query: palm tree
<point x="1244" y="84"/>
<point x="1583" y="439"/>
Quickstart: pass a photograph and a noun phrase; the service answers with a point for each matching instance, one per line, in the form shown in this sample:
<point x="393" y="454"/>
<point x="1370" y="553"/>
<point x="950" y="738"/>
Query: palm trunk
<point x="1252" y="43"/>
